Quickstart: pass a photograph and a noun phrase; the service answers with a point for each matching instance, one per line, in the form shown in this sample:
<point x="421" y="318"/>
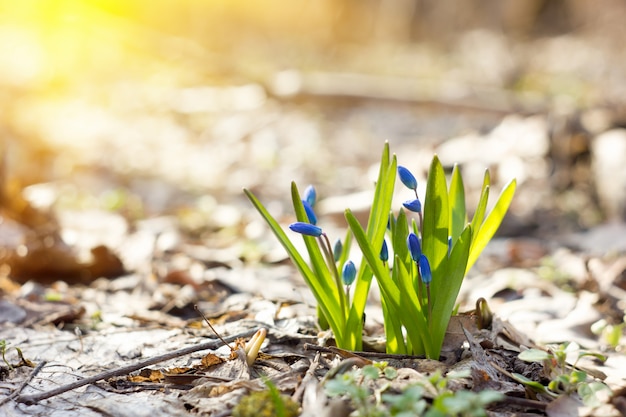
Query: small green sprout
<point x="4" y="347"/>
<point x="564" y="379"/>
<point x="611" y="334"/>
<point x="266" y="403"/>
<point x="369" y="391"/>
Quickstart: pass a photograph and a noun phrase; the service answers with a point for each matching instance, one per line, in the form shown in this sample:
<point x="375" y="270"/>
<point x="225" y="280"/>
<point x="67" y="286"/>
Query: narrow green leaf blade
<point x="436" y="219"/>
<point x="399" y="234"/>
<point x="456" y="199"/>
<point x="481" y="209"/>
<point x="413" y="318"/>
<point x="377" y="225"/>
<point x="320" y="288"/>
<point x="491" y="223"/>
<point x="444" y="292"/>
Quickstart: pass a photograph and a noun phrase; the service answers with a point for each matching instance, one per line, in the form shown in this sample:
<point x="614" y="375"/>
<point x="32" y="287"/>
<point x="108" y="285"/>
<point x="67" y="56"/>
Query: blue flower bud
<point x="310" y="195"/>
<point x="424" y="267"/>
<point x="407" y="178"/>
<point x="307" y="229"/>
<point x="337" y="250"/>
<point x="413" y="243"/>
<point x="309" y="212"/>
<point x="449" y="245"/>
<point x="349" y="273"/>
<point x="384" y="252"/>
<point x="413" y="205"/>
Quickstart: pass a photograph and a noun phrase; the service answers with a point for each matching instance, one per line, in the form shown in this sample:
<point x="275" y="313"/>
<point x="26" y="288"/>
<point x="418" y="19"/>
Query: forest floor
<point x="123" y="218"/>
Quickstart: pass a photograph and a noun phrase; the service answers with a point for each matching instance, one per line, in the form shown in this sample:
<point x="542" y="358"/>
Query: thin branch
<point x="24" y="383"/>
<point x="310" y="375"/>
<point x="213" y="344"/>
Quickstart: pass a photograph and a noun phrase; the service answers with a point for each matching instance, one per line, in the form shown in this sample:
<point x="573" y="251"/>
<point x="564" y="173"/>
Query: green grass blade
<point x="404" y="311"/>
<point x="320" y="288"/>
<point x="481" y="209"/>
<point x="316" y="257"/>
<point x="491" y="223"/>
<point x="419" y="336"/>
<point x="394" y="339"/>
<point x="436" y="219"/>
<point x="347" y="245"/>
<point x="369" y="255"/>
<point x="445" y="292"/>
<point x="399" y="233"/>
<point x="456" y="199"/>
<point x="354" y="324"/>
<point x="383" y="188"/>
<point x="322" y="269"/>
<point x="383" y="194"/>
<point x="376" y="228"/>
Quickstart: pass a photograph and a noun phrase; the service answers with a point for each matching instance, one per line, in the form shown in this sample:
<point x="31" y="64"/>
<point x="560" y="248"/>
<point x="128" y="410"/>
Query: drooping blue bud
<point x="413" y="205"/>
<point x="337" y="250"/>
<point x="384" y="252"/>
<point x="307" y="229"/>
<point x="407" y="178"/>
<point x="310" y="195"/>
<point x="309" y="212"/>
<point x="349" y="273"/>
<point x="413" y="243"/>
<point x="424" y="267"/>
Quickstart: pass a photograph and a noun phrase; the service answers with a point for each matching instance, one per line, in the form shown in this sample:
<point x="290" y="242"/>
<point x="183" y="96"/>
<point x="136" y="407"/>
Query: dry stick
<point x="348" y="353"/>
<point x="310" y="374"/>
<point x="195" y="307"/>
<point x="33" y="399"/>
<point x="23" y="384"/>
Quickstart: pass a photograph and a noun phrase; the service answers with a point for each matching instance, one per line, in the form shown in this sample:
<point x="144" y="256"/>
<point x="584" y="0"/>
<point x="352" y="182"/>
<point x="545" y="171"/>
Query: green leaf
<point x="376" y="228"/>
<point x="321" y="266"/>
<point x="320" y="288"/>
<point x="456" y="199"/>
<point x="600" y="357"/>
<point x="394" y="339"/>
<point x="345" y="254"/>
<point x="406" y="312"/>
<point x="491" y="223"/>
<point x="444" y="291"/>
<point x="436" y="220"/>
<point x="531" y="384"/>
<point x="481" y="209"/>
<point x="534" y="355"/>
<point x="399" y="233"/>
<point x="420" y="339"/>
<point x="589" y="393"/>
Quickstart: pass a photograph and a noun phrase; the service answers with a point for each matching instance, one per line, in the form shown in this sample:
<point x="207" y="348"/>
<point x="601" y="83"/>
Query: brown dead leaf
<point x="147" y="375"/>
<point x="454" y="337"/>
<point x="181" y="376"/>
<point x="210" y="360"/>
<point x="51" y="260"/>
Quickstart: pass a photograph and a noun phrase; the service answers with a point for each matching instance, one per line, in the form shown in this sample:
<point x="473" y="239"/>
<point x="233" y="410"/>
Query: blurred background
<point x="157" y="107"/>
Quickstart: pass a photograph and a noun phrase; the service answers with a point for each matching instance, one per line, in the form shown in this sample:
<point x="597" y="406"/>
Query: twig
<point x="364" y="355"/>
<point x="522" y="402"/>
<point x="33" y="399"/>
<point x="310" y="374"/>
<point x="23" y="384"/>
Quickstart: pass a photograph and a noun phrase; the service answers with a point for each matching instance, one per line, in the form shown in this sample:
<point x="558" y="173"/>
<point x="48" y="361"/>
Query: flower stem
<point x="330" y="260"/>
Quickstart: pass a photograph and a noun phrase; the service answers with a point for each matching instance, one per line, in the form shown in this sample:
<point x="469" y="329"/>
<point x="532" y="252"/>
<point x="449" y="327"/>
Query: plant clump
<point x="419" y="255"/>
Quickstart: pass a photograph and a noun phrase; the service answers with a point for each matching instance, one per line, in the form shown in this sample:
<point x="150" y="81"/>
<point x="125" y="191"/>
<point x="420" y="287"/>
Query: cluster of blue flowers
<point x="348" y="273"/>
<point x="349" y="270"/>
<point x="413" y="240"/>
